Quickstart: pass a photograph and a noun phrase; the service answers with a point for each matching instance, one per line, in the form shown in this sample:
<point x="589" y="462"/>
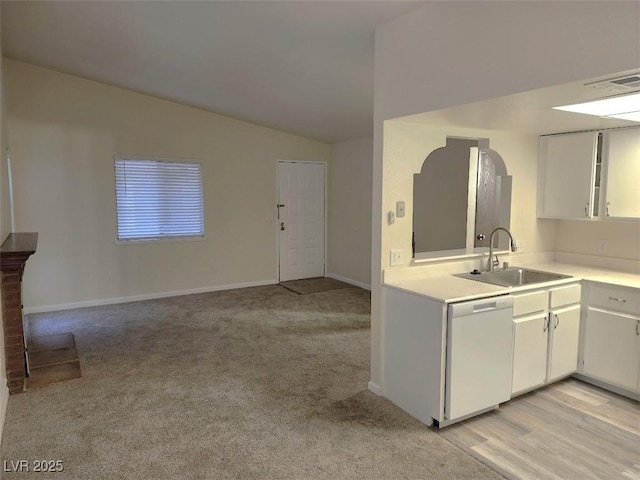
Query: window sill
<point x="446" y="255"/>
<point x="145" y="241"/>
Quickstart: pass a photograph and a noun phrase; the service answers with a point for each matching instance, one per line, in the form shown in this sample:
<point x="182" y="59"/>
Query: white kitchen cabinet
<point x="546" y="336"/>
<point x="564" y="331"/>
<point x="415" y="339"/>
<point x="529" y="352"/>
<point x="611" y="337"/>
<point x="622" y="195"/>
<point x="566" y="184"/>
<point x="612" y="348"/>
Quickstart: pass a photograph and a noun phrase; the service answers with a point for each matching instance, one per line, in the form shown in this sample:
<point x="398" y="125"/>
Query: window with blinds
<point x="158" y="199"/>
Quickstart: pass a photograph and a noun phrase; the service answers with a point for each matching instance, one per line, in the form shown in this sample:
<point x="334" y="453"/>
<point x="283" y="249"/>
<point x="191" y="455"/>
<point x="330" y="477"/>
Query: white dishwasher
<point x="479" y="356"/>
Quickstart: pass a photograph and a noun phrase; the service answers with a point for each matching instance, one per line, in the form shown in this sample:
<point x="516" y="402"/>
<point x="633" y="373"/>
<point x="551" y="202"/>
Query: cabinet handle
<point x="546" y="323"/>
<point x="586" y="210"/>
<point x="618" y="299"/>
<point x="638" y="328"/>
<point x="607" y="207"/>
<point x="557" y="321"/>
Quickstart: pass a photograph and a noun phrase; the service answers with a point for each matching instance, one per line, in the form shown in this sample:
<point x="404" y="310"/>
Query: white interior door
<point x="301" y="219"/>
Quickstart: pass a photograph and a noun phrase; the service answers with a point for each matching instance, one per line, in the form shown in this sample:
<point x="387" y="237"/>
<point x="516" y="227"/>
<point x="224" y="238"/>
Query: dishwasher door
<point x="479" y="355"/>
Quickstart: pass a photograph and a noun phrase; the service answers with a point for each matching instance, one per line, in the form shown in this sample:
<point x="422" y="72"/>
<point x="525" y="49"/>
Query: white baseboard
<point x="4" y="402"/>
<point x="348" y="280"/>
<point x="148" y="296"/>
<point x="375" y="388"/>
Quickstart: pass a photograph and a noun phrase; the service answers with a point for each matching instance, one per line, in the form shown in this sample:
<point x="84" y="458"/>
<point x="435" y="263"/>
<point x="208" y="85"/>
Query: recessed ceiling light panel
<point x="606" y="107"/>
<point x="633" y="116"/>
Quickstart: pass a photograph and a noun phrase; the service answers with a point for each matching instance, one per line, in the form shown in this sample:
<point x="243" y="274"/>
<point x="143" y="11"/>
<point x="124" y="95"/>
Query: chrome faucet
<point x="512" y="243"/>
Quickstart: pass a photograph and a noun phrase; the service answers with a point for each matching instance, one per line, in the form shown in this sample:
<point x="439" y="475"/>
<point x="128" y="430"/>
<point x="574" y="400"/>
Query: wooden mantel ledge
<point x="15" y="250"/>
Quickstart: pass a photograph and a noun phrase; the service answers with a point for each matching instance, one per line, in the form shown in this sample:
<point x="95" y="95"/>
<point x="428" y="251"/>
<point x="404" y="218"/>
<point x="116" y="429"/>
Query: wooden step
<point x="49" y="342"/>
<point x="52" y="359"/>
<point x="44" y="358"/>
<point x="43" y="376"/>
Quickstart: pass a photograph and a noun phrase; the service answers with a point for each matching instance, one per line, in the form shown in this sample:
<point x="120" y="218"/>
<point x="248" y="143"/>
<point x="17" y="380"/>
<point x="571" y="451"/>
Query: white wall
<point x="349" y="254"/>
<point x="453" y="53"/>
<point x="5" y="230"/>
<point x="415" y="141"/>
<point x="64" y="132"/>
<point x="623" y="238"/>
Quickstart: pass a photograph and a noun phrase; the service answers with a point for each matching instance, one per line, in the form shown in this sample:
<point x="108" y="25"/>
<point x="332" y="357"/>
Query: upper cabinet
<point x="622" y="193"/>
<point x="590" y="175"/>
<point x="567" y="175"/>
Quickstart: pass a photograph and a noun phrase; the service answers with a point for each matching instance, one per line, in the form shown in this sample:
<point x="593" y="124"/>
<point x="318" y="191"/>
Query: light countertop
<point x="449" y="289"/>
<point x="591" y="274"/>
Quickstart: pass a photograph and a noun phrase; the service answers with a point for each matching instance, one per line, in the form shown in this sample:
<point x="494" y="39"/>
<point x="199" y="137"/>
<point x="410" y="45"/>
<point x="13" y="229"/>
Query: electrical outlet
<point x="400" y="209"/>
<point x="602" y="246"/>
<point x="396" y="257"/>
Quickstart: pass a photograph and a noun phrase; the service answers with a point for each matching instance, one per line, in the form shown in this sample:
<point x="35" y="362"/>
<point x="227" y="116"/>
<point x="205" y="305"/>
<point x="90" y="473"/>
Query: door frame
<point x="276" y="222"/>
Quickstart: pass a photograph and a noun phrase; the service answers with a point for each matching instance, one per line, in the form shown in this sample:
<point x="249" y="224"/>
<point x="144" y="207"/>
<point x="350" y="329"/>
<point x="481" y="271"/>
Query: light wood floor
<point x="568" y="430"/>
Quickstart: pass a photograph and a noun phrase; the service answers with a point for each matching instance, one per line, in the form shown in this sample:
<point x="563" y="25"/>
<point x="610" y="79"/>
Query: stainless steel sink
<point x="512" y="277"/>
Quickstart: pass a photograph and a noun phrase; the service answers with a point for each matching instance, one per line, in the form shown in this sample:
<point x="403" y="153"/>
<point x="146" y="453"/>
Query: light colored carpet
<point x="314" y="285"/>
<point x="257" y="383"/>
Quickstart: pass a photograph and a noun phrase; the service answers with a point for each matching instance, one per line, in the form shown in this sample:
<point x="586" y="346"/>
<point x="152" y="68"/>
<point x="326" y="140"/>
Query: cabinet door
<point x="529" y="352"/>
<point x="611" y="348"/>
<point x="564" y="331"/>
<point x="567" y="175"/>
<point x="623" y="171"/>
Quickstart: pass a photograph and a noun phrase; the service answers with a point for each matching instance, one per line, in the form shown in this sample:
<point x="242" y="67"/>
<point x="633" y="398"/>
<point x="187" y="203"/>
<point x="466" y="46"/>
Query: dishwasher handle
<point x="483" y="305"/>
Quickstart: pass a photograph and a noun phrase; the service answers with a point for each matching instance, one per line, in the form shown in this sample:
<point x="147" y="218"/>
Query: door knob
<point x="281" y="225"/>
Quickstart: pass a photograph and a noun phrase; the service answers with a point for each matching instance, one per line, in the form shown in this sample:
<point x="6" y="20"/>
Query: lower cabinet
<point x="546" y="336"/>
<point x="529" y="352"/>
<point x="564" y="334"/>
<point x="612" y="348"/>
<point x="553" y="340"/>
<point x="554" y="336"/>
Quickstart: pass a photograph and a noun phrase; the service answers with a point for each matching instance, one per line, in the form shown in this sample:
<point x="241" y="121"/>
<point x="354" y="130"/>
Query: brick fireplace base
<point x="14" y="252"/>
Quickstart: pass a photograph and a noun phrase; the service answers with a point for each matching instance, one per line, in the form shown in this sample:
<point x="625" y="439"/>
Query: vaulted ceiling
<point x="304" y="67"/>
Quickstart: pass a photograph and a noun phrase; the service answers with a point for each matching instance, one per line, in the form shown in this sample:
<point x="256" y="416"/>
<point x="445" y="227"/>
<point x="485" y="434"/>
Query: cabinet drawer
<point x="530" y="303"/>
<point x="618" y="299"/>
<point x="565" y="296"/>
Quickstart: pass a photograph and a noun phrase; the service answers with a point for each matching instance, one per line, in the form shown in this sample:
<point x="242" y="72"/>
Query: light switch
<point x="400" y="209"/>
<point x="396" y="257"/>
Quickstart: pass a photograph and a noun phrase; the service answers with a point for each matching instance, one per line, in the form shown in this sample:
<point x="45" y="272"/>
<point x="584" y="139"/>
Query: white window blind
<point x="158" y="199"/>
